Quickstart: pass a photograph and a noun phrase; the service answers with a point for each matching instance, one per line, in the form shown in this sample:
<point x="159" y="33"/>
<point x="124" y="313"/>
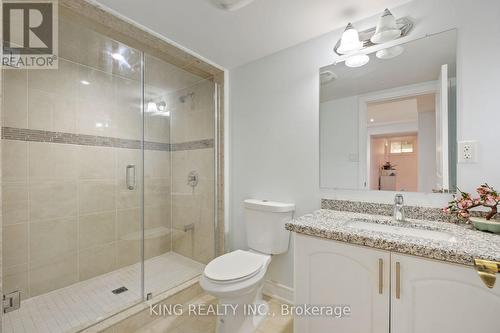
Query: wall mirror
<point x="390" y="125"/>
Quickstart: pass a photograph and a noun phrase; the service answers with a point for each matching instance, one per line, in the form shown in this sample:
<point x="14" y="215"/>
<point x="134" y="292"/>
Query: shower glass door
<point x="108" y="180"/>
<point x="179" y="159"/>
<point x="72" y="185"/>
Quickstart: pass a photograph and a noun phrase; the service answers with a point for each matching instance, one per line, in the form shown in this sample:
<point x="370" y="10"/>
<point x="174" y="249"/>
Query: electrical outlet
<point x="467" y="152"/>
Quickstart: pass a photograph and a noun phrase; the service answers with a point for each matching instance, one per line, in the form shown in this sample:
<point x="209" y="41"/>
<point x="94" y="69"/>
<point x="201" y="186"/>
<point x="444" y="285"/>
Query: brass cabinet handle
<point x="487" y="271"/>
<point x="380" y="276"/>
<point x="398" y="280"/>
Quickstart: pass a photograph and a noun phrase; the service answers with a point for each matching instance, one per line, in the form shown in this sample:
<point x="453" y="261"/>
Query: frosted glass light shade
<point x="357" y="60"/>
<point x="349" y="42"/>
<point x="387" y="29"/>
<point x="389" y="53"/>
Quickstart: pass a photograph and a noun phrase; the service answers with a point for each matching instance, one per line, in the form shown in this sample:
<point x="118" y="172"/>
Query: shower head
<point x="183" y="98"/>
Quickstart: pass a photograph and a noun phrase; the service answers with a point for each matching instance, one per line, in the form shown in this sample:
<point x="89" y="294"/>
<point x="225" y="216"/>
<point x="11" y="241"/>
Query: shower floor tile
<point x="82" y="304"/>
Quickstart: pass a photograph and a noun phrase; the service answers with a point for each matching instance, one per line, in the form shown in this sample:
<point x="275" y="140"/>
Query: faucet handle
<point x="398" y="199"/>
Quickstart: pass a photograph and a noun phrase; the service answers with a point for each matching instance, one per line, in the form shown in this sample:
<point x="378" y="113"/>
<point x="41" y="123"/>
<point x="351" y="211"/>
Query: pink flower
<point x="464" y="204"/>
<point x="481" y="191"/>
<point x="463" y="201"/>
<point x="484" y="189"/>
<point x="464" y="214"/>
<point x="490" y="200"/>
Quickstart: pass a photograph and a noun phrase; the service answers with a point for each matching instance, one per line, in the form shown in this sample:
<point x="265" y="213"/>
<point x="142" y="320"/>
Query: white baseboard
<point x="278" y="291"/>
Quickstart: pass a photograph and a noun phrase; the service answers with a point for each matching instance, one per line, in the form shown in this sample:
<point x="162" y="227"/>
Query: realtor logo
<point x="30" y="34"/>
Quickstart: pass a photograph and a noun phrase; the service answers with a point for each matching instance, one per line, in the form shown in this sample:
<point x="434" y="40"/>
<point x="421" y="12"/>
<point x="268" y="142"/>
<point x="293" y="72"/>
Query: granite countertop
<point x="465" y="246"/>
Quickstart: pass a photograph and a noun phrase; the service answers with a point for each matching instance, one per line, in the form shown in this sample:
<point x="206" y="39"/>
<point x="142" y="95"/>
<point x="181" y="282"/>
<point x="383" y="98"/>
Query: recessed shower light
<point x="151" y="107"/>
<point x="121" y="59"/>
<point x="84" y="82"/>
<point x="118" y="56"/>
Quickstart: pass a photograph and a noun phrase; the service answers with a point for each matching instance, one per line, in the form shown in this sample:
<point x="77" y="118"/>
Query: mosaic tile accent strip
<point x="464" y="245"/>
<point x="24" y="134"/>
<point x="191" y="145"/>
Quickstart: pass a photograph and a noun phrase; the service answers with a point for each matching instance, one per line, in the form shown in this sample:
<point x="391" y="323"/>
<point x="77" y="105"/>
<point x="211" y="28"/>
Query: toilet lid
<point x="234" y="265"/>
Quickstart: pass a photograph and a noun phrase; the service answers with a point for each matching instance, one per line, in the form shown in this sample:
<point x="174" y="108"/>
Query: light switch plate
<point x="467" y="151"/>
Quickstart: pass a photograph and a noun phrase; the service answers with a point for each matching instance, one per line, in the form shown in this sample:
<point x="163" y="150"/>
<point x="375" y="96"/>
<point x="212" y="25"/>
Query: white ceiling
<point x="401" y="110"/>
<point x="230" y="39"/>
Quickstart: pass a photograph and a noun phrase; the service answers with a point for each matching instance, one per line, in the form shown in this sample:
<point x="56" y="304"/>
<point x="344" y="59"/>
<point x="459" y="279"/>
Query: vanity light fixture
<point x="357" y="60"/>
<point x="387" y="29"/>
<point x="350" y="42"/>
<point x="389" y="53"/>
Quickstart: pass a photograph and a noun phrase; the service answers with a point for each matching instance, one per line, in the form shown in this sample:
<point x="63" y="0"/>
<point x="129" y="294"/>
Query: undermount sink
<point x="401" y="230"/>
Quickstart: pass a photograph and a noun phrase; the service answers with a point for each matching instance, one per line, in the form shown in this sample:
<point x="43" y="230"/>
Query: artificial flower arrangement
<point x="463" y="202"/>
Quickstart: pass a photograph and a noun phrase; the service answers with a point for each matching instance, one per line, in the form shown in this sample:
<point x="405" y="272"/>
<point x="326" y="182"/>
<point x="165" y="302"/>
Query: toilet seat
<point x="235" y="266"/>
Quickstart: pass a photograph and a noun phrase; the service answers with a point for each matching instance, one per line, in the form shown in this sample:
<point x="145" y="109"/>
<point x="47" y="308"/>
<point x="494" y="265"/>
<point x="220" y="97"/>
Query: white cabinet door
<point x="439" y="297"/>
<point x="335" y="273"/>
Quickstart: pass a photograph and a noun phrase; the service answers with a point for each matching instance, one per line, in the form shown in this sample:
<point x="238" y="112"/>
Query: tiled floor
<point x="276" y="323"/>
<point x="82" y="304"/>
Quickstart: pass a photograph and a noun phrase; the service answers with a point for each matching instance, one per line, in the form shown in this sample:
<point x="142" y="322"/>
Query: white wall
<point x="275" y="106"/>
<point x="339" y="127"/>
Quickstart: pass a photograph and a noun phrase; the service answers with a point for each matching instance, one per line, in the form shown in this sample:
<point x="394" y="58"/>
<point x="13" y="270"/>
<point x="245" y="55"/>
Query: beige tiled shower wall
<point x="194" y="120"/>
<point x="68" y="215"/>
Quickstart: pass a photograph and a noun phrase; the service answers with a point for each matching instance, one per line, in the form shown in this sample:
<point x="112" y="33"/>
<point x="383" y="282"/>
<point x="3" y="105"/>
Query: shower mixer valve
<point x="193" y="179"/>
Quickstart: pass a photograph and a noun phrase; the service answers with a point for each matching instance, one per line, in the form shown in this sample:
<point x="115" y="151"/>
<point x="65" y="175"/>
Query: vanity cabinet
<point x="440" y="297"/>
<point x="330" y="273"/>
<point x="389" y="292"/>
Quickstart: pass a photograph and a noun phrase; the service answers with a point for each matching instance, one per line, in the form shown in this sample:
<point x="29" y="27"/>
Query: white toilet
<point x="237" y="278"/>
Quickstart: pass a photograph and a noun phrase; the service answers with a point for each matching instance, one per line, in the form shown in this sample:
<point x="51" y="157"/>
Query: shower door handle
<point x="130" y="176"/>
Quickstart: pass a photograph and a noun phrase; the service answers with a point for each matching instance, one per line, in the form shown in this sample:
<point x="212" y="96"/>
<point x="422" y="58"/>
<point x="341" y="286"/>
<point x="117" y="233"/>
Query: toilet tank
<point x="265" y="225"/>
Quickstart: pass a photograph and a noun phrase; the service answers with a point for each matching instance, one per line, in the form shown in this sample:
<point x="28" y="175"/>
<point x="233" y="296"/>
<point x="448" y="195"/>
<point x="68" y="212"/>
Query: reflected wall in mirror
<point x="390" y="125"/>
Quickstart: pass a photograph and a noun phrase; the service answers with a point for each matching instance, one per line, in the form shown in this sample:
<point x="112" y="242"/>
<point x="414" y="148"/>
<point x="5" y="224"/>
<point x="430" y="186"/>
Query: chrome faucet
<point x="399" y="208"/>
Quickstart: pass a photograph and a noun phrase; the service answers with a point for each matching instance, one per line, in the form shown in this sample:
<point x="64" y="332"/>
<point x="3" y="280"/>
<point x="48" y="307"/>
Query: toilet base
<point x="245" y="320"/>
<point x="242" y="301"/>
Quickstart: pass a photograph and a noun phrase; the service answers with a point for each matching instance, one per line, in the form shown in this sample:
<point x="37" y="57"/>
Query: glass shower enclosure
<point x="108" y="180"/>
